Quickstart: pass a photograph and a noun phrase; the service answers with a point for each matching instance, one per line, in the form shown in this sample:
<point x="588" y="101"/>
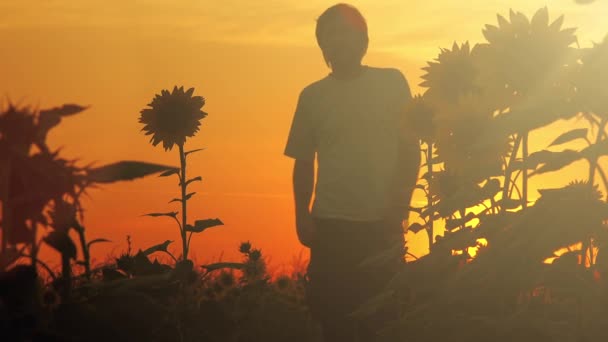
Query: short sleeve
<point x="404" y="94"/>
<point x="300" y="142"/>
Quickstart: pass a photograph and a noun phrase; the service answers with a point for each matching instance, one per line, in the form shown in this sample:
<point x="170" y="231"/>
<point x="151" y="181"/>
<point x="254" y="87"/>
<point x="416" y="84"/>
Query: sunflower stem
<point x="593" y="161"/>
<point x="524" y="180"/>
<point x="429" y="194"/>
<point x="509" y="168"/>
<point x="182" y="159"/>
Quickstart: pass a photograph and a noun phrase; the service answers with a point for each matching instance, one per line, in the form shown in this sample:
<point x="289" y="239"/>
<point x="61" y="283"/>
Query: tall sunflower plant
<point x="171" y="118"/>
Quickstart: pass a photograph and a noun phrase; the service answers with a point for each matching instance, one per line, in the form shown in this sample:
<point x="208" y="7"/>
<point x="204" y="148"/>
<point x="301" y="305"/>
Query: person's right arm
<point x="303" y="184"/>
<point x="302" y="148"/>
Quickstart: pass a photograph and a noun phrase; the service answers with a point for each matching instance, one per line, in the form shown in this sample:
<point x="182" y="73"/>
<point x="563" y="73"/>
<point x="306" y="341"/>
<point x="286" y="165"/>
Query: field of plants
<point x="507" y="261"/>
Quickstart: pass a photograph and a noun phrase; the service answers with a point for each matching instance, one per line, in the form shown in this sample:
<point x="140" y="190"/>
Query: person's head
<point x="342" y="35"/>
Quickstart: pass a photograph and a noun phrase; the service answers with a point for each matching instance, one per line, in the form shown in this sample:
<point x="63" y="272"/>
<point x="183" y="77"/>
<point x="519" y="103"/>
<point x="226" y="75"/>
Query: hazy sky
<point x="249" y="59"/>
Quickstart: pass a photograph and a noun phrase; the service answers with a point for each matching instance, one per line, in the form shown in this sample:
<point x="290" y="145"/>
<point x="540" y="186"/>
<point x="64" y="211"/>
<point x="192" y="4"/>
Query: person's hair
<point x="342" y="14"/>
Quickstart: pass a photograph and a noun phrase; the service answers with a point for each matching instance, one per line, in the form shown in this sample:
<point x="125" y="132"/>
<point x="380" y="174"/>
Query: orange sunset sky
<point x="249" y="59"/>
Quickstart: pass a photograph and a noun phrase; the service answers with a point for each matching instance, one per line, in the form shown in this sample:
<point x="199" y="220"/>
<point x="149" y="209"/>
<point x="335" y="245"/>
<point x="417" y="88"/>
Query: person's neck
<point x="346" y="73"/>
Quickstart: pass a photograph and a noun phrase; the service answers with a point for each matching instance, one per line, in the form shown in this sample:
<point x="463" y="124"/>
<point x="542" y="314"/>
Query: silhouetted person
<point x="352" y="119"/>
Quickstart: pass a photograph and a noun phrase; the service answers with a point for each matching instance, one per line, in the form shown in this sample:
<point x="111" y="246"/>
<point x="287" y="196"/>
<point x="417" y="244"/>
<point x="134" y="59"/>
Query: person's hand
<point x="305" y="228"/>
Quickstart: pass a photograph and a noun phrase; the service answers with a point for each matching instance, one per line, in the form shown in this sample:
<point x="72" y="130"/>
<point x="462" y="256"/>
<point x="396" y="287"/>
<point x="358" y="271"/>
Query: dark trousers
<point x="337" y="284"/>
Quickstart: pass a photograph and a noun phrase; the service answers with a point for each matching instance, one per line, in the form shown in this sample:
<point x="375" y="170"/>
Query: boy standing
<point x="367" y="168"/>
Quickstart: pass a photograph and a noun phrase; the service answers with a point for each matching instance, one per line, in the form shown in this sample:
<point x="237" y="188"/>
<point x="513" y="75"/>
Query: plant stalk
<point x="524" y="179"/>
<point x="429" y="194"/>
<point x="508" y="169"/>
<point x="182" y="159"/>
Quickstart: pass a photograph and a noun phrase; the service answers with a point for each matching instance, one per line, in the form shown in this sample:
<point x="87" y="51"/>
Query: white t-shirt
<point x="353" y="127"/>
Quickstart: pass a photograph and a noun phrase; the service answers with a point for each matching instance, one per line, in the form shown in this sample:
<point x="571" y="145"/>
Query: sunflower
<point x="451" y="74"/>
<point x="524" y="55"/>
<point x="592" y="79"/>
<point x="172" y="117"/>
<point x="460" y="139"/>
<point x="418" y="119"/>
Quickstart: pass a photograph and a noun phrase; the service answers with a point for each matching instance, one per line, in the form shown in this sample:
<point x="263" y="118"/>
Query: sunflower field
<point x="510" y="259"/>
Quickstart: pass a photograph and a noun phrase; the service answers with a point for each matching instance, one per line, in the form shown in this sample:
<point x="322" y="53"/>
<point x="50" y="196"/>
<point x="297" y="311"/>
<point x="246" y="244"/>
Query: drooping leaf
<point x="65" y="110"/>
<point x="169" y="173"/>
<point x="162" y="247"/>
<point x="558" y="160"/>
<point x="175" y="200"/>
<point x="551" y="159"/>
<point x="92" y="242"/>
<point x="189" y="152"/>
<point x="201" y="225"/>
<point x="123" y="171"/>
<point x="61" y="242"/>
<point x="169" y="214"/>
<point x="596" y="150"/>
<point x="221" y="265"/>
<point x="574" y="134"/>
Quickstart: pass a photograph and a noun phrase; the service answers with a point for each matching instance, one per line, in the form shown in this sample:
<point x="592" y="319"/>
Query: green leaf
<point x="162" y="247"/>
<point x="574" y="134"/>
<point x="220" y="265"/>
<point x="201" y="225"/>
<point x="169" y="173"/>
<point x="65" y="110"/>
<point x="61" y="242"/>
<point x="170" y="214"/>
<point x="189" y="152"/>
<point x="123" y="171"/>
<point x="92" y="242"/>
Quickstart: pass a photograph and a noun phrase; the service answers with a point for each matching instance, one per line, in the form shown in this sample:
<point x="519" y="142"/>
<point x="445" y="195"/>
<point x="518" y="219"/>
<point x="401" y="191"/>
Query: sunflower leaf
<point x="220" y="265"/>
<point x="169" y="173"/>
<point x="96" y="241"/>
<point x="65" y="110"/>
<point x="162" y="247"/>
<point x="175" y="200"/>
<point x="123" y="171"/>
<point x="169" y="214"/>
<point x="198" y="178"/>
<point x="574" y="134"/>
<point x="61" y="242"/>
<point x="201" y="225"/>
<point x="416" y="227"/>
<point x="189" y="152"/>
<point x="189" y="195"/>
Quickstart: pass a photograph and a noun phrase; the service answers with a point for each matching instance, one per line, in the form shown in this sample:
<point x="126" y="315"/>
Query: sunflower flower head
<point x="451" y="74"/>
<point x="171" y="117"/>
<point x="548" y="50"/>
<point x="594" y="72"/>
